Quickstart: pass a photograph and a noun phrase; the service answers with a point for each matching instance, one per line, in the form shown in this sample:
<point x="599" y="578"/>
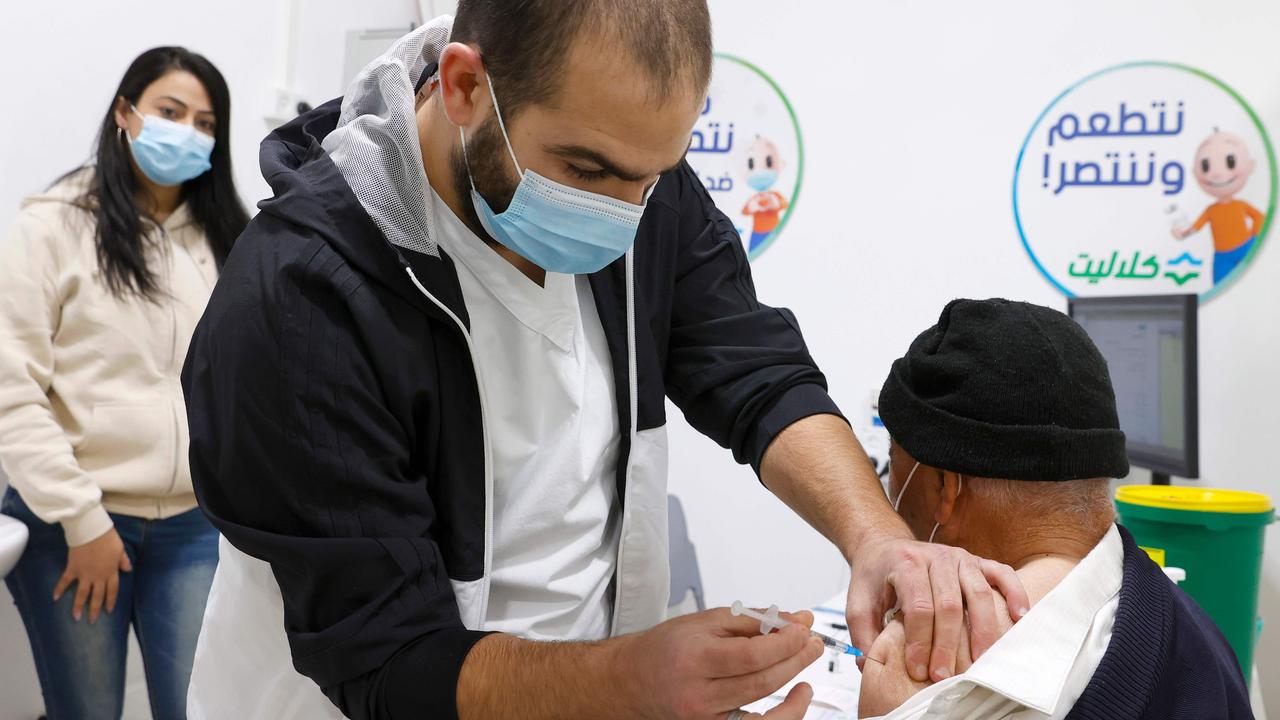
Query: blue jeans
<point x="81" y="666"/>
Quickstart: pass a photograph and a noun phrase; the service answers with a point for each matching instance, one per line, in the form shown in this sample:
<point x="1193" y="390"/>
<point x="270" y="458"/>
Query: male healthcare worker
<point x="427" y="399"/>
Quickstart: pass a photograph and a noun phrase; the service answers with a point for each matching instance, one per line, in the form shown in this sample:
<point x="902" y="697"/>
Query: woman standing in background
<point x="102" y="280"/>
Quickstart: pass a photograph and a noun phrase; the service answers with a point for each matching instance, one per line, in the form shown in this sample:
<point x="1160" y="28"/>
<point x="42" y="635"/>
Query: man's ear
<point x="463" y="88"/>
<point x="948" y="497"/>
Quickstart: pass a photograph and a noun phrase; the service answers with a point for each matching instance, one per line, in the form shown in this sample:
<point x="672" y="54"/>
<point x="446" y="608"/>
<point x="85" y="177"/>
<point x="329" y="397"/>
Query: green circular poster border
<point x="795" y="124"/>
<point x="1253" y="116"/>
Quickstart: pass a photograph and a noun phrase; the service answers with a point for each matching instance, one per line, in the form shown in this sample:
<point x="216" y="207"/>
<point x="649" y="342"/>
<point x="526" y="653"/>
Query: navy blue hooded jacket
<point x="336" y="430"/>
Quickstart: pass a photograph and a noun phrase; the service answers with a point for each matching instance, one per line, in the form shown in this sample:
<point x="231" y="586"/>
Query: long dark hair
<point x="112" y="192"/>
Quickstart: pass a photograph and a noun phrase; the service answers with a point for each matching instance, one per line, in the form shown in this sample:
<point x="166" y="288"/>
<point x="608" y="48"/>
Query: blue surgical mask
<point x="559" y="228"/>
<point x="762" y="180"/>
<point x="170" y="153"/>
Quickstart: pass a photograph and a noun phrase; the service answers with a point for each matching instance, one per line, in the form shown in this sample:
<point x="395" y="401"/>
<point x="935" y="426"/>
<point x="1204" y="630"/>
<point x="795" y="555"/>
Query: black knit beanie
<point x="1009" y="390"/>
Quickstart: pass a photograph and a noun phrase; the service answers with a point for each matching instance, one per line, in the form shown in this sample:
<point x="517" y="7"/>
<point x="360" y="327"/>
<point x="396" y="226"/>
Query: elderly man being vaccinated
<point x="1005" y="437"/>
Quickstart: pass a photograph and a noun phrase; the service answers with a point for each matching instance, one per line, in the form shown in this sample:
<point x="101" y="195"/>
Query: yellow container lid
<point x="1180" y="497"/>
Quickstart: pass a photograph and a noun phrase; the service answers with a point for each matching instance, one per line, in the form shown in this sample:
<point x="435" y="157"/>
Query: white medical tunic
<point x="547" y="393"/>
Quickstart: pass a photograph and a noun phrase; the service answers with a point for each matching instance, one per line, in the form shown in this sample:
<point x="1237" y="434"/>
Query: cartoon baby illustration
<point x="1222" y="167"/>
<point x="763" y="163"/>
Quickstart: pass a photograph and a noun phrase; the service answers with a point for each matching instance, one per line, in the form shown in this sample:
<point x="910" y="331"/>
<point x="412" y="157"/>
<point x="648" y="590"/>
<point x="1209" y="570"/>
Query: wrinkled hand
<point x="933" y="585"/>
<point x="704" y="666"/>
<point x="95" y="569"/>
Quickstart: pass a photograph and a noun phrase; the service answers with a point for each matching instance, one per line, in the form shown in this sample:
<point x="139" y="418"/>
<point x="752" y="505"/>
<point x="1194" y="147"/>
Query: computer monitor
<point x="1149" y="343"/>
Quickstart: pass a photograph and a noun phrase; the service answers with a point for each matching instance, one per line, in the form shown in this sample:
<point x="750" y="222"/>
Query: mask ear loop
<point x="938" y="525"/>
<point x="501" y="125"/>
<point x="462" y="135"/>
<point x="121" y="134"/>
<point x="903" y="491"/>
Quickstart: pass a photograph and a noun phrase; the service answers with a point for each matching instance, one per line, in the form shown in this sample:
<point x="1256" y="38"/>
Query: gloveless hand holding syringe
<point x="769" y="621"/>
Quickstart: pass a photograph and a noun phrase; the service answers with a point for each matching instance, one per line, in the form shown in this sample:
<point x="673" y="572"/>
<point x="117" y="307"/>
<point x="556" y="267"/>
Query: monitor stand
<point x="1158" y="478"/>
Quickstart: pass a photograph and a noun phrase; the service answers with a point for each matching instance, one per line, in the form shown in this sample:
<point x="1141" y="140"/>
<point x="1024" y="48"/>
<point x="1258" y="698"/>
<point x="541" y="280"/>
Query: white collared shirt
<point x="549" y="404"/>
<point x="1041" y="666"/>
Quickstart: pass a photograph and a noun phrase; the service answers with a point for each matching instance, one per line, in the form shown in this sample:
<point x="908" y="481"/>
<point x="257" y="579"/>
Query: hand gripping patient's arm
<point x="885" y="681"/>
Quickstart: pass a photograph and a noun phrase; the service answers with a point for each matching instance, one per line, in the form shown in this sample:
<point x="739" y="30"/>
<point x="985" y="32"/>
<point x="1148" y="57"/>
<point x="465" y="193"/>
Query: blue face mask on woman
<point x="169" y="153"/>
<point x="559" y="228"/>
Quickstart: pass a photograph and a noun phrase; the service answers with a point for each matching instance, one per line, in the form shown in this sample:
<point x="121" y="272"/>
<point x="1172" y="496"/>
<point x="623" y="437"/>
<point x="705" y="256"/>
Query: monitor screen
<point x="1150" y="347"/>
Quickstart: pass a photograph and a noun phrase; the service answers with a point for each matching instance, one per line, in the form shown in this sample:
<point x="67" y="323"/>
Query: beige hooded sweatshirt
<point x="92" y="418"/>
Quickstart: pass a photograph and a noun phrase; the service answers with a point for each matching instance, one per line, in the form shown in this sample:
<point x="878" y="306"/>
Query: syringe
<point x="769" y="621"/>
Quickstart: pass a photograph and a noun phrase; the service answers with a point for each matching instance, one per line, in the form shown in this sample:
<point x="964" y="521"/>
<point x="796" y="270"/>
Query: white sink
<point x="13" y="539"/>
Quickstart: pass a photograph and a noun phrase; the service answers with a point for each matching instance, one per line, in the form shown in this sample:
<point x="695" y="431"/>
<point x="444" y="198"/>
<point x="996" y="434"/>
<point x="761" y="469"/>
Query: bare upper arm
<point x="885" y="681"/>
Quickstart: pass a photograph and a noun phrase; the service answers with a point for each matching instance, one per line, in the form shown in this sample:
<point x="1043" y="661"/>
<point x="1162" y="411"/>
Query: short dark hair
<point x="524" y="43"/>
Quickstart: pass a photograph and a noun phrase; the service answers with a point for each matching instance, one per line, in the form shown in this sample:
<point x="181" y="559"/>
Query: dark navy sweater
<point x="1167" y="660"/>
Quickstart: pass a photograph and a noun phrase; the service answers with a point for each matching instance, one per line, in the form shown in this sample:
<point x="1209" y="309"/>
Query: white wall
<point x="62" y="62"/>
<point x="912" y="114"/>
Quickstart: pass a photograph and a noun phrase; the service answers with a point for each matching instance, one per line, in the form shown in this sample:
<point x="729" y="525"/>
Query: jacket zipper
<point x="633" y="409"/>
<point x="488" y="462"/>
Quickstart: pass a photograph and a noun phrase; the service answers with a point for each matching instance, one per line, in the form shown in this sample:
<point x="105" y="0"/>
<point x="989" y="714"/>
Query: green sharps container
<point x="1216" y="537"/>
